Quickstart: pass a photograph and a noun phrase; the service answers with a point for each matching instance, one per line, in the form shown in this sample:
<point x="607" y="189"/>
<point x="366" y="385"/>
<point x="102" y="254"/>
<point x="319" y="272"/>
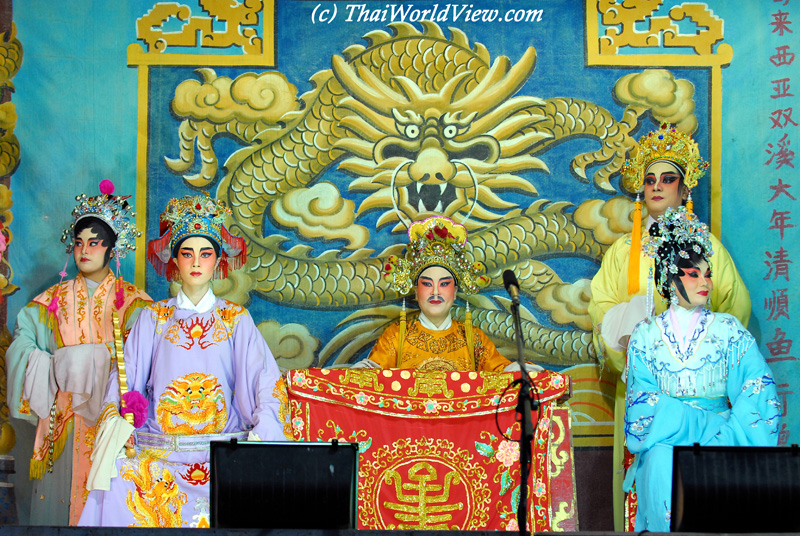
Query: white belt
<point x="184" y="443"/>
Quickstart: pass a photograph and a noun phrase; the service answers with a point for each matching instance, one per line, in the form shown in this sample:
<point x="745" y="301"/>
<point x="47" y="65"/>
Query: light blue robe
<point x="718" y="391"/>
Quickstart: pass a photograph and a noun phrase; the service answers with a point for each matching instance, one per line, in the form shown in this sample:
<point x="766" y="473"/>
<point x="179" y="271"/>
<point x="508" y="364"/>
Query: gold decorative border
<point x="144" y="61"/>
<point x="715" y="62"/>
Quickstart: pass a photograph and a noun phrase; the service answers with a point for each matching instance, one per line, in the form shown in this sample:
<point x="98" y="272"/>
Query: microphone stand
<point x="525" y="405"/>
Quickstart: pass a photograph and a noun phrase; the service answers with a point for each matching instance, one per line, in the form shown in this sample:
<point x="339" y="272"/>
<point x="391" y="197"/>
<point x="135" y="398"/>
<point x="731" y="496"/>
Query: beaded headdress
<point x="435" y="241"/>
<point x="113" y="210"/>
<point x="676" y="233"/>
<point x="668" y="144"/>
<point x="199" y="215"/>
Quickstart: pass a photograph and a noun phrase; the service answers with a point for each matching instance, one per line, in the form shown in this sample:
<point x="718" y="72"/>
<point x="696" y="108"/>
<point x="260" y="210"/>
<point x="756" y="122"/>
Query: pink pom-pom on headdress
<point x="106" y="187"/>
<point x="135" y="403"/>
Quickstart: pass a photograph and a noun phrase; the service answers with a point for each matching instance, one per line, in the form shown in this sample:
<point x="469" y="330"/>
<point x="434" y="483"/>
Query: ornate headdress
<point x="113" y="210"/>
<point x="199" y="215"/>
<point x="666" y="143"/>
<point x="435" y="241"/>
<point x="676" y="233"/>
<point x="671" y="145"/>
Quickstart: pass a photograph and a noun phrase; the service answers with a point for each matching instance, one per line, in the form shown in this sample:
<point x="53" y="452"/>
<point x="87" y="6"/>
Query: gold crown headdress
<point x="199" y="215"/>
<point x="671" y="145"/>
<point x="666" y="143"/>
<point x="435" y="241"/>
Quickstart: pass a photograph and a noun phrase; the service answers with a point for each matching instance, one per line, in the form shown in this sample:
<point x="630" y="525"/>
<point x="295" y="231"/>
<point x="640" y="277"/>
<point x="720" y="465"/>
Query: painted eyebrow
<point x="201" y="249"/>
<point x="447" y="277"/>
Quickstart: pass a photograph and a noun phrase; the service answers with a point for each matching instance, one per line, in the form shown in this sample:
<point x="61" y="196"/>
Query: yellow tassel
<point x="636" y="249"/>
<point x="690" y="205"/>
<point x="402" y="334"/>
<point x="37" y="469"/>
<point x="468" y="330"/>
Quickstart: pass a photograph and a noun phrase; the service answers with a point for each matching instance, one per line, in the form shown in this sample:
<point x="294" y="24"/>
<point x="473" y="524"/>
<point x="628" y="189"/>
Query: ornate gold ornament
<point x="439" y="472"/>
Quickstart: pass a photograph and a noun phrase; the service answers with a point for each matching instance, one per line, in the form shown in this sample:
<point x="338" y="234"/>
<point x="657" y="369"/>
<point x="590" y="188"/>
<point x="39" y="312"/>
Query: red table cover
<point x="431" y="455"/>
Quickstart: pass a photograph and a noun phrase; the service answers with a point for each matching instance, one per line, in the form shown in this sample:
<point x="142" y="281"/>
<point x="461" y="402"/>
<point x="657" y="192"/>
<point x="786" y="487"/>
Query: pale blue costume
<point x="715" y="389"/>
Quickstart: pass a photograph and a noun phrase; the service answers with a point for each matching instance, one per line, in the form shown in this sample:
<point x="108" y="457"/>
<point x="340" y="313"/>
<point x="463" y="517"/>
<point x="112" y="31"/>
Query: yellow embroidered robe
<point x="425" y="349"/>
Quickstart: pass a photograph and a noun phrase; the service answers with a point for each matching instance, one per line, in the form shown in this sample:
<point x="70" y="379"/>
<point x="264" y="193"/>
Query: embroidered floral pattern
<point x="508" y="453"/>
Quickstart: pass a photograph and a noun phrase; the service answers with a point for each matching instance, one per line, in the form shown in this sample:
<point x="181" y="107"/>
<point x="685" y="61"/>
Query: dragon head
<point x="442" y="152"/>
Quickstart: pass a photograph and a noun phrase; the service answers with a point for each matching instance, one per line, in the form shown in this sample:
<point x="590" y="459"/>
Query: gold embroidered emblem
<point x="362" y="378"/>
<point x="157" y="501"/>
<point x="423" y="484"/>
<point x="423" y="509"/>
<point x="430" y="384"/>
<point x="196" y="399"/>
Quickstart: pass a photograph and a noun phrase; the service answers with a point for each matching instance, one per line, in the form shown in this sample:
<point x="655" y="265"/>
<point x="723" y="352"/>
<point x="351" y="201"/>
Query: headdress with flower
<point x="435" y="241"/>
<point x="115" y="212"/>
<point x="198" y="215"/>
<point x="667" y="144"/>
<point x="673" y="237"/>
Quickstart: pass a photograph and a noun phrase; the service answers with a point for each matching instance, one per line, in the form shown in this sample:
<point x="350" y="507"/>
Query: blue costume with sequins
<point x="715" y="389"/>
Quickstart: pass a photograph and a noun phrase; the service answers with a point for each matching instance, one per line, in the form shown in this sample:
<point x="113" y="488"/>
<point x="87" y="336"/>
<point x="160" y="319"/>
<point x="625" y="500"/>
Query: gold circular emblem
<point x="423" y="484"/>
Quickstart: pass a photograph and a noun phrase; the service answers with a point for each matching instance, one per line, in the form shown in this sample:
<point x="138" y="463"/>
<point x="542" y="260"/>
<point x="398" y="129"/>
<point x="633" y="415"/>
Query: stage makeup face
<point x="196" y="260"/>
<point x="436" y="293"/>
<point x="663" y="188"/>
<point x="90" y="255"/>
<point x="697" y="285"/>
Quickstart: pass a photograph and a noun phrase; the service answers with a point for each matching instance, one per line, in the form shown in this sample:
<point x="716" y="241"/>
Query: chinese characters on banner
<point x="779" y="176"/>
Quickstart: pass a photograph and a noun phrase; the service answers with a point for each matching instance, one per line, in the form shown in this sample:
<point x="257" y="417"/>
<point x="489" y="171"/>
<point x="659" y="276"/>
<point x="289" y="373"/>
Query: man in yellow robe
<point x="436" y="268"/>
<point x="665" y="168"/>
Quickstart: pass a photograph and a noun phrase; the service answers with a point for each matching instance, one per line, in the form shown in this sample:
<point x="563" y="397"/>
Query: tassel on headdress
<point x="636" y="248"/>
<point x="402" y="334"/>
<point x="667" y="144"/>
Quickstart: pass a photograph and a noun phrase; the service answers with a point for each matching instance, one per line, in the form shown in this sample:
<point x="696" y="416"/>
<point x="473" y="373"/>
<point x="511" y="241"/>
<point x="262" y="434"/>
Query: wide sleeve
<point x="755" y="407"/>
<point x="261" y="398"/>
<point x="729" y="294"/>
<point x="489" y="359"/>
<point x="606" y="293"/>
<point x="32" y="337"/>
<point x="652" y="416"/>
<point x="384" y="353"/>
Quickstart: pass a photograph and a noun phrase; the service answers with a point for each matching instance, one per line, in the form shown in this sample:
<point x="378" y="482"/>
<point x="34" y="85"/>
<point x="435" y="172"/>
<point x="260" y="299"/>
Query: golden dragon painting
<point x="423" y="124"/>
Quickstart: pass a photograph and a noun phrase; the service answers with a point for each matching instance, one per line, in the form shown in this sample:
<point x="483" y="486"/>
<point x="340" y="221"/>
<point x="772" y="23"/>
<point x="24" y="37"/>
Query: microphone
<point x="512" y="286"/>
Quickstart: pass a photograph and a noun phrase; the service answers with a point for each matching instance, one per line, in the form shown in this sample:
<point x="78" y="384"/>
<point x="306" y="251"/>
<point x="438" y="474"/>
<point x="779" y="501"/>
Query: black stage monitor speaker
<point x="284" y="485"/>
<point x="736" y="489"/>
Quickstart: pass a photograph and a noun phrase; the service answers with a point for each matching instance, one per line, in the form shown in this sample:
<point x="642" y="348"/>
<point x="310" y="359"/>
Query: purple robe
<point x="206" y="376"/>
